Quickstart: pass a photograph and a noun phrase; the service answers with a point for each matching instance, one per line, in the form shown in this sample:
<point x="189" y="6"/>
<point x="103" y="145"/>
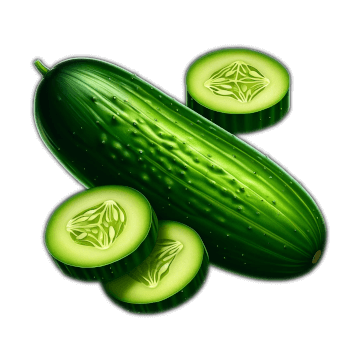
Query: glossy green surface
<point x="107" y="126"/>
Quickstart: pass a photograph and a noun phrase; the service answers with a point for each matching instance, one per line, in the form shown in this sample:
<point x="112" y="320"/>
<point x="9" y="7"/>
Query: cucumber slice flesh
<point x="173" y="271"/>
<point x="229" y="85"/>
<point x="101" y="227"/>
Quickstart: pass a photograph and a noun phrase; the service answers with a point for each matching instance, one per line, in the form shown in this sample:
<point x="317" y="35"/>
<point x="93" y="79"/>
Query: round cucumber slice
<point x="241" y="90"/>
<point x="102" y="233"/>
<point x="172" y="273"/>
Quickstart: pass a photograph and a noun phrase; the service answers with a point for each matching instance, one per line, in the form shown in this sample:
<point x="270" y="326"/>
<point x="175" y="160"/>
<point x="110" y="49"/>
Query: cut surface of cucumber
<point x="102" y="232"/>
<point x="239" y="89"/>
<point x="170" y="275"/>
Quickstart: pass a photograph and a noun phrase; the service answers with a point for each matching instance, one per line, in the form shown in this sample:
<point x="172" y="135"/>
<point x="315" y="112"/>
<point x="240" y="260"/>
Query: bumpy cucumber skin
<point x="118" y="268"/>
<point x="108" y="127"/>
<point x="173" y="301"/>
<point x="242" y="123"/>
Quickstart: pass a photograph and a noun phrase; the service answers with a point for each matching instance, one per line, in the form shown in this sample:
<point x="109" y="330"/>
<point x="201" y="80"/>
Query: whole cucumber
<point x="107" y="126"/>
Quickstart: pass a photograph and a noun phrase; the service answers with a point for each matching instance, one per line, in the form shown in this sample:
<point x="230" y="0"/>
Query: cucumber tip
<point x="316" y="257"/>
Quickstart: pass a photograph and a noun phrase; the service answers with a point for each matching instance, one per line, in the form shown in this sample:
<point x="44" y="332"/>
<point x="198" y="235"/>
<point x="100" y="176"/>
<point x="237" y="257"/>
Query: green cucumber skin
<point x="175" y="300"/>
<point x="118" y="268"/>
<point x="243" y="123"/>
<point x="97" y="118"/>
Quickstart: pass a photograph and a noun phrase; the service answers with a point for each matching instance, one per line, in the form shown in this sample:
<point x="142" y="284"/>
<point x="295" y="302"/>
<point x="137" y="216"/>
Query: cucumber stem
<point x="40" y="67"/>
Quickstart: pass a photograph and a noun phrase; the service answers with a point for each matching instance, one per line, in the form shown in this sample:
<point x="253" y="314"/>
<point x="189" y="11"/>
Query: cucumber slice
<point x="102" y="233"/>
<point x="240" y="90"/>
<point x="172" y="273"/>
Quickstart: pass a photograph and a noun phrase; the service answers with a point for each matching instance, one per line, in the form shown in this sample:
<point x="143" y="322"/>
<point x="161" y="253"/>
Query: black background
<point x="296" y="144"/>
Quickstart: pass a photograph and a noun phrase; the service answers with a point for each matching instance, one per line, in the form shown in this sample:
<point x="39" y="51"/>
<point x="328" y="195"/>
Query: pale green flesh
<point x="173" y="263"/>
<point x="99" y="226"/>
<point x="237" y="81"/>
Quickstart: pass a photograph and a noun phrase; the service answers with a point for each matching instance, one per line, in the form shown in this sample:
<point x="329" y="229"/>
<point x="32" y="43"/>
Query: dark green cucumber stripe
<point x="118" y="268"/>
<point x="175" y="300"/>
<point x="242" y="123"/>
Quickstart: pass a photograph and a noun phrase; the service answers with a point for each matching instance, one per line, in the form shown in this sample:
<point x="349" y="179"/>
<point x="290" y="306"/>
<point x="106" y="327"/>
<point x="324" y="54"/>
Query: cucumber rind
<point x="117" y="268"/>
<point x="243" y="123"/>
<point x="173" y="301"/>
